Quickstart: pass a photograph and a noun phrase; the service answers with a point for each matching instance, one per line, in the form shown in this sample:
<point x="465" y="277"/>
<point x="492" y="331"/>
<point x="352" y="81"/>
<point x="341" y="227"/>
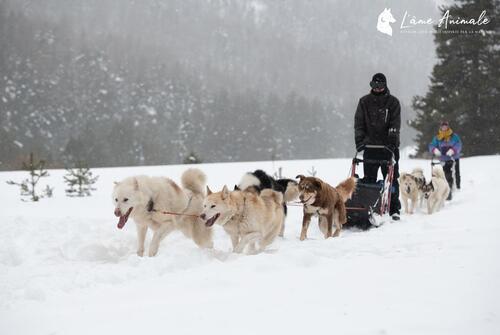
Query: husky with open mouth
<point x="145" y="198"/>
<point x="249" y="218"/>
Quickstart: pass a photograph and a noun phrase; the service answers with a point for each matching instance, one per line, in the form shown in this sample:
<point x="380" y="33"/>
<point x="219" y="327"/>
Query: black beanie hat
<point x="378" y="80"/>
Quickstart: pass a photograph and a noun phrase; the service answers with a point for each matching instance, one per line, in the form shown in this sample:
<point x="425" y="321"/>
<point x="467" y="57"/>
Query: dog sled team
<point x="253" y="213"/>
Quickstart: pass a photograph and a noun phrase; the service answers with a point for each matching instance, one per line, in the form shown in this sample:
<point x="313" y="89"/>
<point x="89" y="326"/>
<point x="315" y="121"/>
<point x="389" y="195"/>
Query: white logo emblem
<point x="384" y="22"/>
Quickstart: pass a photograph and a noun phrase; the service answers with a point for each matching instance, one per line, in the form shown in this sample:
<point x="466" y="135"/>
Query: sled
<point x="370" y="203"/>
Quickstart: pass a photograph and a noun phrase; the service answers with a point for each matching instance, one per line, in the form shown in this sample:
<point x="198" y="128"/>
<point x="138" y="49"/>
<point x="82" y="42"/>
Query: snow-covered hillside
<point x="66" y="269"/>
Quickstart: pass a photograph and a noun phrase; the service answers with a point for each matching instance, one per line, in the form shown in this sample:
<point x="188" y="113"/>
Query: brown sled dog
<point x="327" y="202"/>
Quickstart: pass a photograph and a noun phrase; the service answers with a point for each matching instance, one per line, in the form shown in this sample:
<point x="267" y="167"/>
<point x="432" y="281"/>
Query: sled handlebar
<point x="435" y="161"/>
<point x="390" y="161"/>
<point x="384" y="147"/>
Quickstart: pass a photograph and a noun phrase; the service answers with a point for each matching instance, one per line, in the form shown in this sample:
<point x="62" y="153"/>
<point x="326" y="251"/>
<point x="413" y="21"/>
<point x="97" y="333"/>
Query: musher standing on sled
<point x="377" y="122"/>
<point x="447" y="146"/>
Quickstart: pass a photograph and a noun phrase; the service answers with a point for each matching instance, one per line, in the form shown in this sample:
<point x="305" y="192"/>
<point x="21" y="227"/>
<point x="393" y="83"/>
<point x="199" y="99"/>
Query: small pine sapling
<point x="192" y="158"/>
<point x="278" y="174"/>
<point x="80" y="181"/>
<point x="36" y="170"/>
<point x="312" y="172"/>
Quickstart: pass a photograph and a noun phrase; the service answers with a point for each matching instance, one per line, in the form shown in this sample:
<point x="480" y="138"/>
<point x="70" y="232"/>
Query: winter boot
<point x="395" y="216"/>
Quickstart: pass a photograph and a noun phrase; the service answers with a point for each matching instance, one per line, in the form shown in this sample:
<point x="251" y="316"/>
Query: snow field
<point x="66" y="269"/>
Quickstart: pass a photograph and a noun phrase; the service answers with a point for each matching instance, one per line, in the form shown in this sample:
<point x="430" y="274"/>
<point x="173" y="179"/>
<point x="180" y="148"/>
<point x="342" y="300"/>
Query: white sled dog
<point x="437" y="190"/>
<point x="410" y="188"/>
<point x="247" y="217"/>
<point x="144" y="198"/>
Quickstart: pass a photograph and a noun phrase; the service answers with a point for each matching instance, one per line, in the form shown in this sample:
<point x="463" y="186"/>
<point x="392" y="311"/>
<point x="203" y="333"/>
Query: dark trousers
<point x="371" y="171"/>
<point x="448" y="172"/>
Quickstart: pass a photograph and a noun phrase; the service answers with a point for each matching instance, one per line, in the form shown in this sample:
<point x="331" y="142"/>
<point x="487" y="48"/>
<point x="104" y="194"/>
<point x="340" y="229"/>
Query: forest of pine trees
<point x="121" y="82"/>
<point x="70" y="98"/>
<point x="83" y="82"/>
<point x="465" y="83"/>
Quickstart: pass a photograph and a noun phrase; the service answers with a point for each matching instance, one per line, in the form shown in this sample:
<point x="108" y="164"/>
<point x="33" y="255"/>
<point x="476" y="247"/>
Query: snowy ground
<point x="66" y="269"/>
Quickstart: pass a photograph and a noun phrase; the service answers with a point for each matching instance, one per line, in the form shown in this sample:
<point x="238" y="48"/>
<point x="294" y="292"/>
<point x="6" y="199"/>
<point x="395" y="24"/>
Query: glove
<point x="450" y="152"/>
<point x="360" y="147"/>
<point x="436" y="152"/>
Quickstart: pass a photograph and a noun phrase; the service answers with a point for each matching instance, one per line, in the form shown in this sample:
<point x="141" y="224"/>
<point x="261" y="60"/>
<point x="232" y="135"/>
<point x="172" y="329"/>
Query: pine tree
<point x="36" y="170"/>
<point x="79" y="180"/>
<point x="465" y="85"/>
<point x="192" y="158"/>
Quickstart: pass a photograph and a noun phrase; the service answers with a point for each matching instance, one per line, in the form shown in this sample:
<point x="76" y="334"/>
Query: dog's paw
<point x="208" y="245"/>
<point x="302" y="238"/>
<point x="152" y="253"/>
<point x="254" y="251"/>
<point x="238" y="250"/>
<point x="140" y="253"/>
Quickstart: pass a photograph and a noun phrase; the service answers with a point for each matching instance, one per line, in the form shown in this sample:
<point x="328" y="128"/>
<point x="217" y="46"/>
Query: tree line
<point x="465" y="82"/>
<point x="71" y="98"/>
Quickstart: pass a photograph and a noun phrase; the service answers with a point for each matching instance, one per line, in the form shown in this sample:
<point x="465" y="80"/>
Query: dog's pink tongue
<point x="121" y="222"/>
<point x="123" y="219"/>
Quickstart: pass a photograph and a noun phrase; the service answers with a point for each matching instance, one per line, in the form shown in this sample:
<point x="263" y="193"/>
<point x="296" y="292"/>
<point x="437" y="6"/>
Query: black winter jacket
<point x="377" y="120"/>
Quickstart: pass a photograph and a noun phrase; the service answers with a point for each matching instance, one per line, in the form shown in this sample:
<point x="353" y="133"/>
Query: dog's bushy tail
<point x="438" y="172"/>
<point x="340" y="207"/>
<point x="249" y="180"/>
<point x="418" y="171"/>
<point x="275" y="196"/>
<point x="194" y="180"/>
<point x="346" y="188"/>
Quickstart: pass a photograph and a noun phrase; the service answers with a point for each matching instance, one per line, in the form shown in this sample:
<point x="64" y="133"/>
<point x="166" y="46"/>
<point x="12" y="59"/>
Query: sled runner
<point x="370" y="201"/>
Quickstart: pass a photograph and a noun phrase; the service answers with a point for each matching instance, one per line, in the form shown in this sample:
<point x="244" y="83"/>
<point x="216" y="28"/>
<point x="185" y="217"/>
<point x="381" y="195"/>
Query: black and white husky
<point x="437" y="190"/>
<point x="259" y="180"/>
